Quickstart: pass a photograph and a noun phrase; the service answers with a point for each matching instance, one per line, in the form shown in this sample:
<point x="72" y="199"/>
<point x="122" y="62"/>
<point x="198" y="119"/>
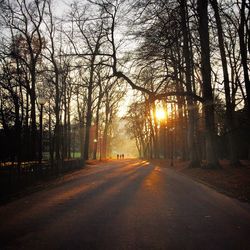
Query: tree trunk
<point x="18" y="131"/>
<point x="229" y="108"/>
<point x="243" y="52"/>
<point x="65" y="128"/>
<point x="96" y="128"/>
<point x="181" y="126"/>
<point x="51" y="141"/>
<point x="33" y="117"/>
<point x="69" y="130"/>
<point x="89" y="110"/>
<point x="57" y="124"/>
<point x="194" y="159"/>
<point x="208" y="103"/>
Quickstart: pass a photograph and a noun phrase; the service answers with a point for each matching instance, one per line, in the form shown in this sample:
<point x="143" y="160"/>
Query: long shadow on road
<point x="78" y="209"/>
<point x="125" y="205"/>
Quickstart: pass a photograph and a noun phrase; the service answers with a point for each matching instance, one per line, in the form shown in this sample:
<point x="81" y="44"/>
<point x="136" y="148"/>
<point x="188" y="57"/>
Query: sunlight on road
<point x="105" y="187"/>
<point x="118" y="205"/>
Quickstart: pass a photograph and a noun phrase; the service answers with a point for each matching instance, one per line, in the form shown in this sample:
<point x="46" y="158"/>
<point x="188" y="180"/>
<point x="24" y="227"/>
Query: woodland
<point x="65" y="71"/>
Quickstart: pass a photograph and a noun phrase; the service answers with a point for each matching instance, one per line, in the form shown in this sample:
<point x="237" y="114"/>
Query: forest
<point x="67" y="70"/>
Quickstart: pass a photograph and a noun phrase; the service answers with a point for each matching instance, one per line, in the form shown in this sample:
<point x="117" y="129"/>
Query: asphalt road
<point x="125" y="204"/>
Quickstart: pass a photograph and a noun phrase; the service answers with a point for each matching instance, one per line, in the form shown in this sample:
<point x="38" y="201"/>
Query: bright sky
<point x="60" y="6"/>
<point x="126" y="101"/>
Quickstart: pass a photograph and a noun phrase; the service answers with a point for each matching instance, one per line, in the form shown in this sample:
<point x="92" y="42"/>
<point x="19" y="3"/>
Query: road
<point x="125" y="204"/>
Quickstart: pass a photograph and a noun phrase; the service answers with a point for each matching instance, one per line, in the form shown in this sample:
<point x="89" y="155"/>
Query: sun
<point x="160" y="114"/>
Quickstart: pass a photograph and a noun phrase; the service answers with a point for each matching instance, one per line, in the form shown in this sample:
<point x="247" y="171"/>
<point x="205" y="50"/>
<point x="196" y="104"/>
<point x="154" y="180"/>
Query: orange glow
<point x="160" y="114"/>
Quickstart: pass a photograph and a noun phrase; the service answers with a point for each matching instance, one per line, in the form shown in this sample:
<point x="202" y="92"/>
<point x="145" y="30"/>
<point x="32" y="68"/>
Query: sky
<point x="60" y="7"/>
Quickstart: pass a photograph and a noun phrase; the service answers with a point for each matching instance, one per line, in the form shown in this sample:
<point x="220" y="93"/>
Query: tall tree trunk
<point x="65" y="128"/>
<point x="81" y="125"/>
<point x="51" y="141"/>
<point x="18" y="131"/>
<point x="33" y="115"/>
<point x="97" y="128"/>
<point x="69" y="130"/>
<point x="89" y="110"/>
<point x="57" y="124"/>
<point x="194" y="159"/>
<point x="156" y="132"/>
<point x="243" y="52"/>
<point x="181" y="108"/>
<point x="208" y="103"/>
<point x="229" y="107"/>
<point x="27" y="129"/>
<point x="105" y="141"/>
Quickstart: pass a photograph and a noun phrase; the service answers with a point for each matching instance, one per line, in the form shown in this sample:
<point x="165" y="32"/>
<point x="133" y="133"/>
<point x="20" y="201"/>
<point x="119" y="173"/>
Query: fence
<point x="15" y="179"/>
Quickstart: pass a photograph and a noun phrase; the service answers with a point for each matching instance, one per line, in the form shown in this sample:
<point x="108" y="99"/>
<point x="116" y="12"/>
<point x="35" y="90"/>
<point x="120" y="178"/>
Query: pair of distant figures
<point x="120" y="156"/>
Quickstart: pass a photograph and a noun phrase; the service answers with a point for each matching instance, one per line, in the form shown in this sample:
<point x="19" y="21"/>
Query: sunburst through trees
<point x="187" y="62"/>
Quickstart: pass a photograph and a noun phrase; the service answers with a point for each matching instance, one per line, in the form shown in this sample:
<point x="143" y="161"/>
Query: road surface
<point x="125" y="204"/>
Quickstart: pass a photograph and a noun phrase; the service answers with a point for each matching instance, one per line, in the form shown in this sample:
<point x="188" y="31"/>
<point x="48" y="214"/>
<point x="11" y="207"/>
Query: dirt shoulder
<point x="234" y="182"/>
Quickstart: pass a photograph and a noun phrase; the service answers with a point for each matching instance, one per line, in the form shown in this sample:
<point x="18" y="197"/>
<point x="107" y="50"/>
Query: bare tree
<point x="25" y="20"/>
